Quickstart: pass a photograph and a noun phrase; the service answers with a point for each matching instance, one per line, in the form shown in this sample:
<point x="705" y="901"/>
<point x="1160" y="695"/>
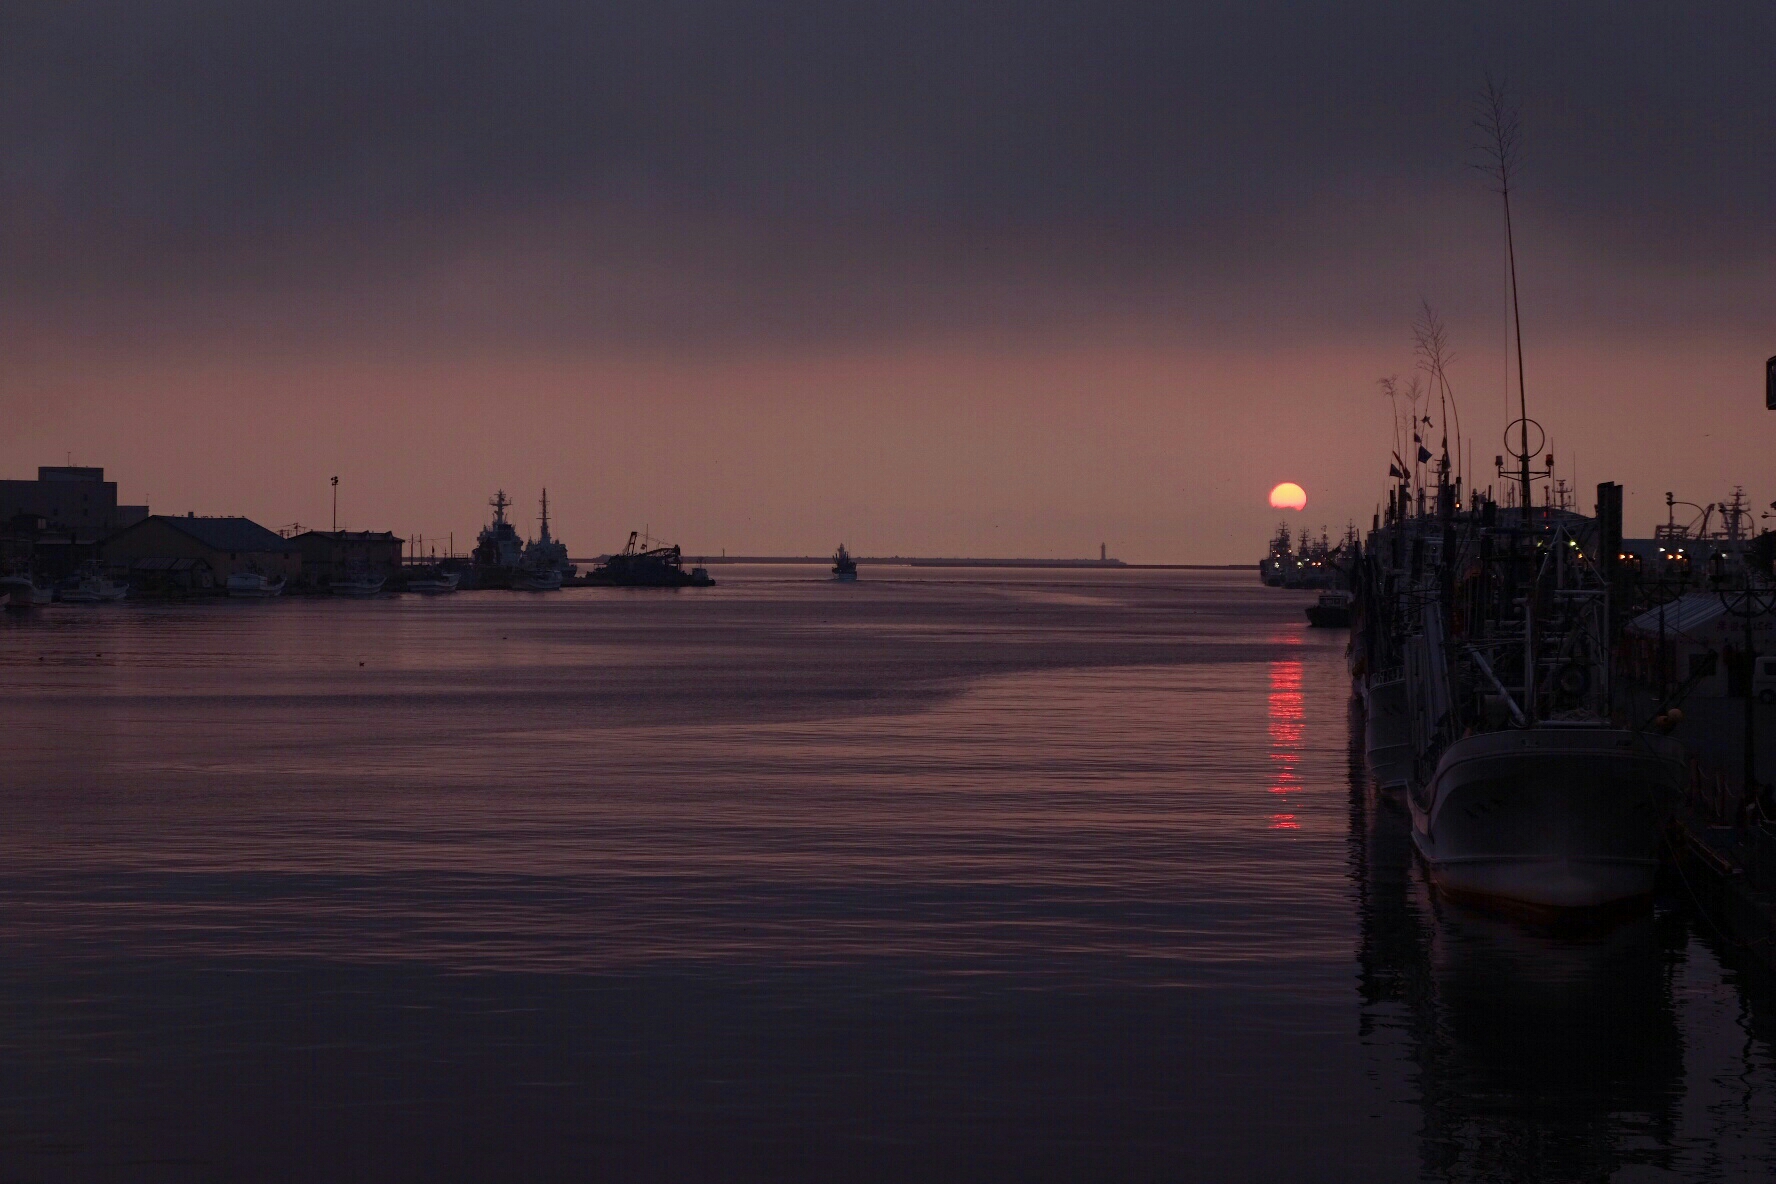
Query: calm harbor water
<point x="984" y="874"/>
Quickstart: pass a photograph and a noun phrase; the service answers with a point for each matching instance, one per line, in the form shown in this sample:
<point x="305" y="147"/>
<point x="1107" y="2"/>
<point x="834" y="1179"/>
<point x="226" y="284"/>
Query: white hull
<point x="254" y="587"/>
<point x="538" y="581"/>
<point x="357" y="587"/>
<point x="103" y="595"/>
<point x="433" y="587"/>
<point x="1387" y="734"/>
<point x="1551" y="817"/>
<point x="22" y="594"/>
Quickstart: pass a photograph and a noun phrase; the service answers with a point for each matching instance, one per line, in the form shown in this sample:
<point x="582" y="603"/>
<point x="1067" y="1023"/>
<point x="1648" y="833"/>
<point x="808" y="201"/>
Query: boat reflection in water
<point x="1540" y="1053"/>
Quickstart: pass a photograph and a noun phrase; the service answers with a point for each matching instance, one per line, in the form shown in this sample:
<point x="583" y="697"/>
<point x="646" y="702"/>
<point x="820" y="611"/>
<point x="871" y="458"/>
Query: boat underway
<point x="254" y="585"/>
<point x="844" y="567"/>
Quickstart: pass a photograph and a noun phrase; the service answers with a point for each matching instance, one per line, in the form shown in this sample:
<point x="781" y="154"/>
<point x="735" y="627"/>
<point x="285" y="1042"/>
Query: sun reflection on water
<point x="1286" y="723"/>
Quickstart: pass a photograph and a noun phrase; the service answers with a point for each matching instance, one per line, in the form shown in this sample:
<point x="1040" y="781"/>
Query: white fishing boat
<point x="23" y="592"/>
<point x="1525" y="790"/>
<point x="91" y="587"/>
<point x="254" y="585"/>
<point x="540" y="579"/>
<point x="358" y="584"/>
<point x="96" y="592"/>
<point x="434" y="583"/>
<point x="1551" y="816"/>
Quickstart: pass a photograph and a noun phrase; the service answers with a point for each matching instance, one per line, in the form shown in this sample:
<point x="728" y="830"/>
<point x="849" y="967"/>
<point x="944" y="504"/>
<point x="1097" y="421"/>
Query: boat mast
<point x="1499" y="127"/>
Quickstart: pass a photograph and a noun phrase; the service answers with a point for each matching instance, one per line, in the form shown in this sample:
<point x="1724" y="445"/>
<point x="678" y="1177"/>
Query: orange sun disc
<point x="1288" y="496"/>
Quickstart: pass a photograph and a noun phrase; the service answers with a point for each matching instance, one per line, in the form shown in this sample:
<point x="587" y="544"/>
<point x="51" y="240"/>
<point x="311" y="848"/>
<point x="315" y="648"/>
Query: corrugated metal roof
<point x="353" y="536"/>
<point x="229" y="534"/>
<point x="167" y="564"/>
<point x="1686" y="614"/>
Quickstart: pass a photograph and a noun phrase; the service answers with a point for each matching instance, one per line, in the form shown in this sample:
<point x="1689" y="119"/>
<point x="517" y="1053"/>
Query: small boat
<point x="537" y="579"/>
<point x="1333" y="611"/>
<point x="89" y="585"/>
<point x="254" y="585"/>
<point x="359" y="584"/>
<point x="434" y="583"/>
<point x="844" y="567"/>
<point x="23" y="592"/>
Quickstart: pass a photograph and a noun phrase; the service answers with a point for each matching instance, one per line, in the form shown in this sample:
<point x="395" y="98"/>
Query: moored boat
<point x="434" y="582"/>
<point x="359" y="584"/>
<point x="1387" y="732"/>
<point x="1331" y="611"/>
<point x="1273" y="569"/>
<point x="542" y="554"/>
<point x="23" y="592"/>
<point x="1550" y="816"/>
<point x="498" y="549"/>
<point x="640" y="566"/>
<point x="90" y="586"/>
<point x="844" y="567"/>
<point x="254" y="585"/>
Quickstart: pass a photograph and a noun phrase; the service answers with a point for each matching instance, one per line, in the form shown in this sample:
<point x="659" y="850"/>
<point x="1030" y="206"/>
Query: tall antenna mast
<point x="1499" y="128"/>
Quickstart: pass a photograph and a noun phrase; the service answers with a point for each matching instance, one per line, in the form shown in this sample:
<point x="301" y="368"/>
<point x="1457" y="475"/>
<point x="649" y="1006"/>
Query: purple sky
<point x="991" y="280"/>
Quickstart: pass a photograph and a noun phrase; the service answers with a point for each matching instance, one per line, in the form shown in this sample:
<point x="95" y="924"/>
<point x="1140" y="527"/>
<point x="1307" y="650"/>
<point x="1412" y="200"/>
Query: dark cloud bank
<point x="692" y="172"/>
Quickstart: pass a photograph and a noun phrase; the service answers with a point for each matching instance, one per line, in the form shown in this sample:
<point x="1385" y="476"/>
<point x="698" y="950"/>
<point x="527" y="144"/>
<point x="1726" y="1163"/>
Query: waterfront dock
<point x="1723" y="841"/>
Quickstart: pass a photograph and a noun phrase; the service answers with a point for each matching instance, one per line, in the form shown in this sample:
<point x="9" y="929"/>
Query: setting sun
<point x="1288" y="496"/>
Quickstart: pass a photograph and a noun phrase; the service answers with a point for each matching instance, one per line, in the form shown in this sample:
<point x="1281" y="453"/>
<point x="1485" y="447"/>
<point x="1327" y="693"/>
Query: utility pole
<point x="1749" y="602"/>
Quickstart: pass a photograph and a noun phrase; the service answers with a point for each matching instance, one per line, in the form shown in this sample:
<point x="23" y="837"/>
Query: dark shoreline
<point x="909" y="561"/>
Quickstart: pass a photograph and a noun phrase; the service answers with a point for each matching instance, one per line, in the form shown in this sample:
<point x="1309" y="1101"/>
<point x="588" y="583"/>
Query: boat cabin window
<point x="1767" y="667"/>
